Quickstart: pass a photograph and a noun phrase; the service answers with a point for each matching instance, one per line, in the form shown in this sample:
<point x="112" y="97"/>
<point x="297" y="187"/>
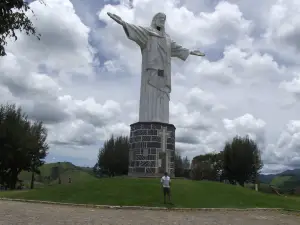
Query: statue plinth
<point x="152" y="149"/>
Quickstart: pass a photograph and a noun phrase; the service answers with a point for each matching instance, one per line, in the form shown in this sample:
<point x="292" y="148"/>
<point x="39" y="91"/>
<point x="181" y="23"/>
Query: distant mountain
<point x="266" y="178"/>
<point x="295" y="172"/>
<point x="294" y="176"/>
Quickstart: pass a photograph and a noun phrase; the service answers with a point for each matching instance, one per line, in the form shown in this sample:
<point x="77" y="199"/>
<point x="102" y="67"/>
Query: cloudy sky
<point x="82" y="78"/>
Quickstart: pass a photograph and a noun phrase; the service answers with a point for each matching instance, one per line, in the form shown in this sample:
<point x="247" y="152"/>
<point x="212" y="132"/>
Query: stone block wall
<point x="146" y="157"/>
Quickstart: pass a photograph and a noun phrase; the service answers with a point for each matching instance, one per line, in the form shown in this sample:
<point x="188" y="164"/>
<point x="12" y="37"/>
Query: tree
<point x="54" y="173"/>
<point x="203" y="171"/>
<point x="182" y="165"/>
<point x="186" y="163"/>
<point x="38" y="134"/>
<point x="22" y="145"/>
<point x="207" y="167"/>
<point x="114" y="156"/>
<point x="96" y="169"/>
<point x="178" y="165"/>
<point x="13" y="17"/>
<point x="242" y="161"/>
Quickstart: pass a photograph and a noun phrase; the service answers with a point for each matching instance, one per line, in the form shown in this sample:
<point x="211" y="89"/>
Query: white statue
<point x="157" y="49"/>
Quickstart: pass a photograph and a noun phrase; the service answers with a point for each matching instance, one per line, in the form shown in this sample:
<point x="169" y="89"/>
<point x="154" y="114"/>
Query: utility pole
<point x="59" y="180"/>
<point x="32" y="173"/>
<point x="32" y="180"/>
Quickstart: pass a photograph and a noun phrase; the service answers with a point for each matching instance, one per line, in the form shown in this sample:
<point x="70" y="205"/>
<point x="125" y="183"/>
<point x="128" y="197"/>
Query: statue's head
<point x="158" y="21"/>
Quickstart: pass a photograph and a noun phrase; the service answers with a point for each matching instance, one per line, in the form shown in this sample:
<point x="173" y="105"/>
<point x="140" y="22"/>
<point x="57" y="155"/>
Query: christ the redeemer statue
<point x="157" y="48"/>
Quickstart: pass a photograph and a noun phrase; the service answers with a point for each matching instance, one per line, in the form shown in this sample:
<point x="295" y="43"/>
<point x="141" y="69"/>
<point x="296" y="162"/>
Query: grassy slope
<point x="129" y="191"/>
<point x="76" y="176"/>
<point x="46" y="169"/>
<point x="279" y="180"/>
<point x="67" y="170"/>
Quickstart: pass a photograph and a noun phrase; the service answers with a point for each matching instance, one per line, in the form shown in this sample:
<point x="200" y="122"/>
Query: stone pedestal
<point x="152" y="149"/>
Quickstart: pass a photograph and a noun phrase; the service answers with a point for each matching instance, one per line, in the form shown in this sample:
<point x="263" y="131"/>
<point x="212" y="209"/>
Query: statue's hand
<point x="197" y="53"/>
<point x="115" y="18"/>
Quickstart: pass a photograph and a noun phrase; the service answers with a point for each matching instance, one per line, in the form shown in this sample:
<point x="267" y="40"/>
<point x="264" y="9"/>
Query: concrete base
<point x="147" y="157"/>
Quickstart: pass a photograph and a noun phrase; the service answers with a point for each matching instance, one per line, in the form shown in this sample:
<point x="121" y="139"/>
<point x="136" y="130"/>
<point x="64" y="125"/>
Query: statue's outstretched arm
<point x="116" y="18"/>
<point x="183" y="53"/>
<point x="133" y="32"/>
<point x="197" y="53"/>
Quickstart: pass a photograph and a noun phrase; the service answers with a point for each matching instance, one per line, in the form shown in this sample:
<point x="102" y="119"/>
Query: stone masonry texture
<point x="146" y="149"/>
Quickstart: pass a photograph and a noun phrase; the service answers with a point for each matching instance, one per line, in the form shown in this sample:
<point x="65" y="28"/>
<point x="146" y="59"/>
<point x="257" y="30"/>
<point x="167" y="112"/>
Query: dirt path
<point x="13" y="213"/>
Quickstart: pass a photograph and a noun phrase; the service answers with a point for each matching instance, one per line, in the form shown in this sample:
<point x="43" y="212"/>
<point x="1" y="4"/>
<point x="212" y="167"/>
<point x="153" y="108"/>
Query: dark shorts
<point x="167" y="191"/>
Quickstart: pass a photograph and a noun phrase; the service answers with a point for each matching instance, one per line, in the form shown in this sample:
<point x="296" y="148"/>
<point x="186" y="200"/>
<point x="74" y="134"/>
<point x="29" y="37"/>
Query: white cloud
<point x="64" y="42"/>
<point x="292" y="86"/>
<point x="82" y="78"/>
<point x="284" y="25"/>
<point x="247" y="125"/>
<point x="185" y="118"/>
<point x="90" y="111"/>
<point x="281" y="31"/>
<point x="286" y="150"/>
<point x="246" y="122"/>
<point x="74" y="133"/>
<point x="197" y="98"/>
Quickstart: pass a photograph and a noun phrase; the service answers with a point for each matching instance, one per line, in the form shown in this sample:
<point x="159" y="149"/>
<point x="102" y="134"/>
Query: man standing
<point x="166" y="185"/>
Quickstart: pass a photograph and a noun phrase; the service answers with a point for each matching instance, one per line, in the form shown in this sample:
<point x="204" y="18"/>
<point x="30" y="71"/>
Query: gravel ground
<point x="13" y="213"/>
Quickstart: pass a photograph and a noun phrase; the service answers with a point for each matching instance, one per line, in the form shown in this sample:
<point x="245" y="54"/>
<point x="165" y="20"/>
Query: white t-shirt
<point x="165" y="181"/>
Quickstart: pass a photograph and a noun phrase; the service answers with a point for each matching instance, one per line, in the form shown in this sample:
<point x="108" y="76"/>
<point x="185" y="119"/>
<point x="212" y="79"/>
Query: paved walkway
<point x="18" y="213"/>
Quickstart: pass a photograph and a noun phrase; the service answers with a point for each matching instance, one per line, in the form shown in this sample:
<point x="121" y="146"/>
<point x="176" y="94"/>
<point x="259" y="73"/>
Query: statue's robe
<point x="157" y="49"/>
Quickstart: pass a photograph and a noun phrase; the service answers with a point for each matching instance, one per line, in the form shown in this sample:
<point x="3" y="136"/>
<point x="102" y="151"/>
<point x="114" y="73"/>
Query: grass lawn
<point x="147" y="192"/>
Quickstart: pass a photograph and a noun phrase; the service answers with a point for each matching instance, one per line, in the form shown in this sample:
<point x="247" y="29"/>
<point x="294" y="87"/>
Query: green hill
<point x="286" y="184"/>
<point x="75" y="175"/>
<point x="280" y="180"/>
<point x="66" y="169"/>
<point x="268" y="178"/>
<point x="147" y="191"/>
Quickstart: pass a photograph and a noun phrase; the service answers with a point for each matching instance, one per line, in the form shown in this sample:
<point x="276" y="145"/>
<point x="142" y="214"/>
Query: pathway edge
<point x="144" y="207"/>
